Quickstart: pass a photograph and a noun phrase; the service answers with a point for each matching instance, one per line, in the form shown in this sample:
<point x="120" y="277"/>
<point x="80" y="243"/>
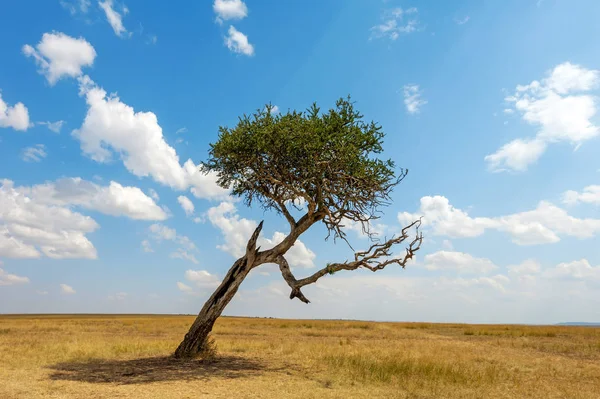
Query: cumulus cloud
<point x="67" y="289"/>
<point x="30" y="228"/>
<point x="11" y="279"/>
<point x="395" y="22"/>
<point x="412" y="99"/>
<point x="113" y="127"/>
<point x="237" y="42"/>
<point x="186" y="204"/>
<point x="202" y="279"/>
<point x="589" y="195"/>
<point x="34" y="154"/>
<point x="38" y="220"/>
<point x="113" y="17"/>
<point x="562" y="109"/>
<point x="545" y="224"/>
<point x="16" y="116"/>
<point x="237" y="230"/>
<point x="526" y="271"/>
<point x="114" y="199"/>
<point x="230" y="9"/>
<point x="579" y="270"/>
<point x="59" y="55"/>
<point x="459" y="262"/>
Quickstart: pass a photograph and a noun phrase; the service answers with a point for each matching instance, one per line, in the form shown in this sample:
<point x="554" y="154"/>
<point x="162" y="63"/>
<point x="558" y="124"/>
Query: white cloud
<point x="447" y="245"/>
<point x="274" y="110"/>
<point x="181" y="130"/>
<point x="561" y="110"/>
<point x="181" y="253"/>
<point x="237" y="42"/>
<point x="525" y="271"/>
<point x="113" y="17"/>
<point x="153" y="194"/>
<point x="11" y="279"/>
<point x="590" y="195"/>
<point x="186" y="204"/>
<point x="497" y="282"/>
<point x="162" y="232"/>
<point x="236" y="232"/>
<point x="544" y="224"/>
<point x="412" y="99"/>
<point x="184" y="288"/>
<point x="67" y="289"/>
<point x="459" y="262"/>
<point x="34" y="154"/>
<point x="230" y="9"/>
<point x="114" y="199"/>
<point x="146" y="246"/>
<point x="202" y="279"/>
<point x="516" y="155"/>
<point x="112" y="126"/>
<point x="579" y="270"/>
<point x="16" y="116"/>
<point x="59" y="55"/>
<point x="76" y="6"/>
<point x="39" y="220"/>
<point x="394" y="23"/>
<point x="53" y="126"/>
<point x="29" y="228"/>
<point x="186" y="248"/>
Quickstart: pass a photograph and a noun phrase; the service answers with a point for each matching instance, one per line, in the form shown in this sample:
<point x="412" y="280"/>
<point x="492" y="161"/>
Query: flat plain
<point x="127" y="356"/>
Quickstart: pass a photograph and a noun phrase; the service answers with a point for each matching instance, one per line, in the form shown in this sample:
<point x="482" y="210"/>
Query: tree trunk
<point x="196" y="338"/>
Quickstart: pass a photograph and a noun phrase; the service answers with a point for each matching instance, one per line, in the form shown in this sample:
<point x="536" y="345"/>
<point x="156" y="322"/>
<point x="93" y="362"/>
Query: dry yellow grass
<point x="127" y="357"/>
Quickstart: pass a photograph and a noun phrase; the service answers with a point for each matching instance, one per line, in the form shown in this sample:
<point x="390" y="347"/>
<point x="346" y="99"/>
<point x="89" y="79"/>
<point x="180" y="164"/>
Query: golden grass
<point x="102" y="356"/>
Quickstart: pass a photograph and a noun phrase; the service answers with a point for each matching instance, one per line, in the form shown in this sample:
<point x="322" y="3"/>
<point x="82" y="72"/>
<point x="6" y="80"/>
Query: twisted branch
<point x="377" y="257"/>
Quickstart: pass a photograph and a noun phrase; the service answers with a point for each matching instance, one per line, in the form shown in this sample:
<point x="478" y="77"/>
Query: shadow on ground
<point x="140" y="371"/>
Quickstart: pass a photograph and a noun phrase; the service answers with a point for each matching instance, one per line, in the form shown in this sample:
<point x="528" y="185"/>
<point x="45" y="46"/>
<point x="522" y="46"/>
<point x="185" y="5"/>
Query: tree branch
<point x="377" y="257"/>
<point x="251" y="249"/>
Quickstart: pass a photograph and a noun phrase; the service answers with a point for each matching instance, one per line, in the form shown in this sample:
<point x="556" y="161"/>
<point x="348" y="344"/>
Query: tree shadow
<point x="147" y="370"/>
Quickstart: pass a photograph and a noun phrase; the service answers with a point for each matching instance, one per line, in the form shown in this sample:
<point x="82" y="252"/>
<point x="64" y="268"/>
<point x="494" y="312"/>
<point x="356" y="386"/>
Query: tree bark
<point x="196" y="338"/>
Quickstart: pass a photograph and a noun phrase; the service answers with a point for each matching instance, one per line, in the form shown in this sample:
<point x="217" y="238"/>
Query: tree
<point x="326" y="162"/>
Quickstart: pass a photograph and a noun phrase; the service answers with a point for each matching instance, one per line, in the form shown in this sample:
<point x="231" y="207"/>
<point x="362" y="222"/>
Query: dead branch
<point x="377" y="257"/>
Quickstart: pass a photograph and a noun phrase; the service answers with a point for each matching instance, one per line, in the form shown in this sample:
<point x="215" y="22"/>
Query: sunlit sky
<point x="107" y="108"/>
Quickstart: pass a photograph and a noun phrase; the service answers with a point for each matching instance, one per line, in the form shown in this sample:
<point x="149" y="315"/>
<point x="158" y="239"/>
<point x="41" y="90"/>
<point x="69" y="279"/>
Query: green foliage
<point x="328" y="159"/>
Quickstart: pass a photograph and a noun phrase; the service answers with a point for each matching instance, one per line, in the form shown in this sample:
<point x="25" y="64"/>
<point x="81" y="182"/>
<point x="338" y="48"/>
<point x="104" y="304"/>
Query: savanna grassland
<point x="102" y="356"/>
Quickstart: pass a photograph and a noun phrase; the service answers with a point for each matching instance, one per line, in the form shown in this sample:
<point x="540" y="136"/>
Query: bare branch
<point x="377" y="257"/>
<point x="251" y="249"/>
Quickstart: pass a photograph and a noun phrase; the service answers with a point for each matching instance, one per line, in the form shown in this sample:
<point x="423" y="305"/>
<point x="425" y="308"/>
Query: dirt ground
<point x="107" y="356"/>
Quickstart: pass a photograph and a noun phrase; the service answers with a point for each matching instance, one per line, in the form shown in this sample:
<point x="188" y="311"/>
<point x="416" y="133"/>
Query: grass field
<point x="128" y="357"/>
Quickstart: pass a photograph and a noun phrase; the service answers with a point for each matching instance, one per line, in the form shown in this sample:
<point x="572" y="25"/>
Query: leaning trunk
<point x="196" y="338"/>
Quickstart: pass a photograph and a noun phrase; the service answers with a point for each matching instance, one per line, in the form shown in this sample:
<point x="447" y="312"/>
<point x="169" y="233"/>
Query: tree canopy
<point x="328" y="161"/>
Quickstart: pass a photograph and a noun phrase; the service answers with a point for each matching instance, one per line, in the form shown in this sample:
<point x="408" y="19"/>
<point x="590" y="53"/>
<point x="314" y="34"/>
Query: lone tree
<point x="325" y="161"/>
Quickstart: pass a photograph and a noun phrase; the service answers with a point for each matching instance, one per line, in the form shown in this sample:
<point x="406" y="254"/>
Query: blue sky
<point x="107" y="107"/>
